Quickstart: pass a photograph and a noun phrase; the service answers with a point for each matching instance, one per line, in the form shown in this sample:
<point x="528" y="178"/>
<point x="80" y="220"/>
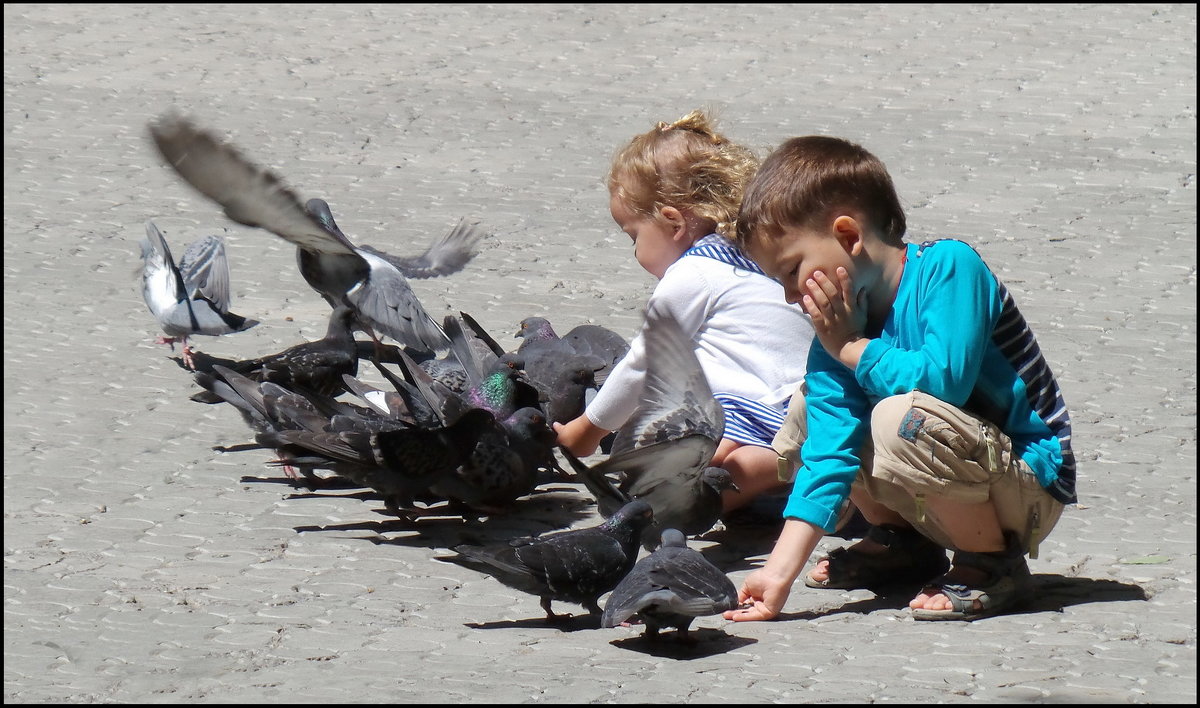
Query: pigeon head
<point x="530" y="423"/>
<point x="673" y="538"/>
<point x="718" y="478"/>
<point x="637" y="514"/>
<point x="536" y="329"/>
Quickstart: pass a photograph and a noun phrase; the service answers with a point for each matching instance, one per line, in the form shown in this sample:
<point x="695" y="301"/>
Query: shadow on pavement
<point x="700" y="643"/>
<point x="1056" y="592"/>
<point x="1051" y="593"/>
<point x="572" y="623"/>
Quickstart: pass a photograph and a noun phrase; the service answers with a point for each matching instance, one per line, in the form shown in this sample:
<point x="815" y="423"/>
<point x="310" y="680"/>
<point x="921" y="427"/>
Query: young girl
<point x="675" y="191"/>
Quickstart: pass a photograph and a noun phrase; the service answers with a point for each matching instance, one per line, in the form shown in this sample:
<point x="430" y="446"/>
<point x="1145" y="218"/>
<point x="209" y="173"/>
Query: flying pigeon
<point x="663" y="451"/>
<point x="576" y="566"/>
<point x="372" y="282"/>
<point x="671" y="587"/>
<point x="192" y="298"/>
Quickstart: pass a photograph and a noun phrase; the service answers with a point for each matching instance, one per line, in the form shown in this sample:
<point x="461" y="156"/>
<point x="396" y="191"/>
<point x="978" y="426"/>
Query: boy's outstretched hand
<point x="764" y="592"/>
<point x="761" y="596"/>
<point x="839" y="315"/>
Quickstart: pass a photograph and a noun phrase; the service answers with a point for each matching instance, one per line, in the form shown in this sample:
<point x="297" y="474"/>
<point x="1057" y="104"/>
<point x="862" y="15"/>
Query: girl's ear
<point x="676" y="220"/>
<point x="849" y="233"/>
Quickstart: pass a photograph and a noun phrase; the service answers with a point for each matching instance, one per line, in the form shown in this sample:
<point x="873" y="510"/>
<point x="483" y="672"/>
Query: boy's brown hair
<point x="805" y="180"/>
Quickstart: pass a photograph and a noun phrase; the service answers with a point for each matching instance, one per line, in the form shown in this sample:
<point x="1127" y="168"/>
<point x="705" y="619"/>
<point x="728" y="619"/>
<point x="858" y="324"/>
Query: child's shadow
<point x="1053" y="592"/>
<point x="1050" y="593"/>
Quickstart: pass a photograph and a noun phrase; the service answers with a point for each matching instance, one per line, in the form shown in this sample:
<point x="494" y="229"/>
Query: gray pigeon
<point x="586" y="340"/>
<point x="662" y="453"/>
<point x="671" y="587"/>
<point x="576" y="566"/>
<point x="191" y="298"/>
<point x="370" y="281"/>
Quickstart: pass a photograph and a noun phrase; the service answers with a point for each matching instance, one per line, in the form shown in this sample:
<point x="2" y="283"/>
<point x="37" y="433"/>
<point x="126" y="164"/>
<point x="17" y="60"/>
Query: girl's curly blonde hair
<point x="686" y="165"/>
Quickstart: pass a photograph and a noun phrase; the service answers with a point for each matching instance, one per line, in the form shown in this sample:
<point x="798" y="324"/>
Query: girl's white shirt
<point x="750" y="342"/>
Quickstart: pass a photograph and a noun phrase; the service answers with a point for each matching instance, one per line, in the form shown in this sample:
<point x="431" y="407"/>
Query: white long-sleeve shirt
<point x="750" y="342"/>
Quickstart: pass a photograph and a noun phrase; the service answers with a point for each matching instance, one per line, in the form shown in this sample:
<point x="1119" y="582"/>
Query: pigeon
<point x="401" y="464"/>
<point x="515" y="446"/>
<point x="576" y="566"/>
<point x="688" y="499"/>
<point x="316" y="366"/>
<point x="586" y="340"/>
<point x="663" y="451"/>
<point x="503" y="466"/>
<point x="598" y="341"/>
<point x="671" y="587"/>
<point x="262" y="407"/>
<point x="192" y="298"/>
<point x="372" y="282"/>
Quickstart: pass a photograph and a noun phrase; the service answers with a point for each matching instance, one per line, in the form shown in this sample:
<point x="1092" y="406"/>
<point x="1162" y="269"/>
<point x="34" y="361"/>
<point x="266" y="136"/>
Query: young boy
<point x="928" y="402"/>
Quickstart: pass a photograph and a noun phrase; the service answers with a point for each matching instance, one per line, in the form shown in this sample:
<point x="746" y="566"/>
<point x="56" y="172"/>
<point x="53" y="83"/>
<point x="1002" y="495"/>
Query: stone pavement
<point x="142" y="566"/>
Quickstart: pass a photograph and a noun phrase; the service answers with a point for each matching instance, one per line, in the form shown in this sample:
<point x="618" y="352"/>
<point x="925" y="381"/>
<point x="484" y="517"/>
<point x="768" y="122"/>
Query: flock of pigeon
<point x="465" y="425"/>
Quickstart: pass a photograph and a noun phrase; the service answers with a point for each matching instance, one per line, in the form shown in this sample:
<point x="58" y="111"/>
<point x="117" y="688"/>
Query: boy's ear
<point x="848" y="231"/>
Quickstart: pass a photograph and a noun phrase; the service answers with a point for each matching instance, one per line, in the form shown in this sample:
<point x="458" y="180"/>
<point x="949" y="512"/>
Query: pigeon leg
<point x="188" y="361"/>
<point x="683" y="636"/>
<point x="550" y="616"/>
<point x="166" y="340"/>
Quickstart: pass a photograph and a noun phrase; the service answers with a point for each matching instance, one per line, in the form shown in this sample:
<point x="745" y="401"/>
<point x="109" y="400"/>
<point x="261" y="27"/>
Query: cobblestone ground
<point x="142" y="566"/>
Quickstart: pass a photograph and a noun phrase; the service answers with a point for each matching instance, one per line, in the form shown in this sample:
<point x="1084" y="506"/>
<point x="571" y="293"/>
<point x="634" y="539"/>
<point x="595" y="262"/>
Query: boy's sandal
<point x="909" y="557"/>
<point x="1007" y="584"/>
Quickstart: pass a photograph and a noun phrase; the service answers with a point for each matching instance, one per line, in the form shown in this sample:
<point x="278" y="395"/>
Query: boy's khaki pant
<point x="921" y="447"/>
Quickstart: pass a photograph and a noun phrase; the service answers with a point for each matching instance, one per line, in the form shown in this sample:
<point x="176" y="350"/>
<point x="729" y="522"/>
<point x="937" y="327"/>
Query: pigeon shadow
<point x="443" y="526"/>
<point x="564" y="623"/>
<point x="700" y="643"/>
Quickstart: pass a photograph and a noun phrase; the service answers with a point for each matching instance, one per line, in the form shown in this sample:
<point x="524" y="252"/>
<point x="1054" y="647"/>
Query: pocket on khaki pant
<point x="790" y="438"/>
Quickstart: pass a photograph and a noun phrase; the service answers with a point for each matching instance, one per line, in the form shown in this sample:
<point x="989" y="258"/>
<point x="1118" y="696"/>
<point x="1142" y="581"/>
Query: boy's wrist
<point x="851" y="352"/>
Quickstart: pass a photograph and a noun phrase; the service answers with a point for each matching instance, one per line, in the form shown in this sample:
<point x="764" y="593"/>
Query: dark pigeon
<point x="191" y="298"/>
<point x="267" y="409"/>
<point x="316" y="366"/>
<point x="671" y="587"/>
<point x="402" y="464"/>
<point x="662" y="453"/>
<point x="373" y="283"/>
<point x="576" y="566"/>
<point x="503" y="466"/>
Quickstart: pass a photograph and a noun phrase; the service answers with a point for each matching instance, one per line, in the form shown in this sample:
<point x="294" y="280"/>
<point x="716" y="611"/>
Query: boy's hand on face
<point x="839" y="315"/>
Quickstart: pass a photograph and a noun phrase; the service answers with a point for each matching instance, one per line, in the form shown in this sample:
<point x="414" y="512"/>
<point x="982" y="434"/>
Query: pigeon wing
<point x="249" y="194"/>
<point x="446" y="255"/>
<point x="205" y="270"/>
<point x="676" y="399"/>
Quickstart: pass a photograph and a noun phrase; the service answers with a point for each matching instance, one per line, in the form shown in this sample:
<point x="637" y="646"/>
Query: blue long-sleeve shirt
<point x="954" y="333"/>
